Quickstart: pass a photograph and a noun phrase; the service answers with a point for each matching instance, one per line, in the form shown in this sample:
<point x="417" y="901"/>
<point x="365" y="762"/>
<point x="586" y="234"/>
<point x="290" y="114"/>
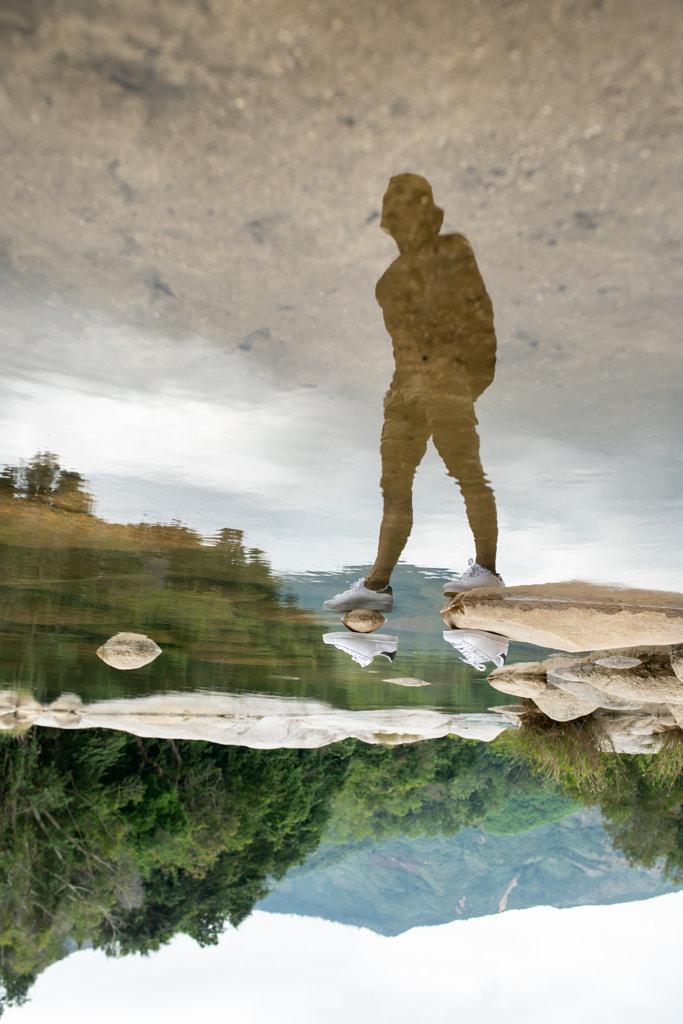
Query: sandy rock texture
<point x="634" y="734"/>
<point x="571" y="616"/>
<point x="211" y="170"/>
<point x="632" y="696"/>
<point x="128" y="651"/>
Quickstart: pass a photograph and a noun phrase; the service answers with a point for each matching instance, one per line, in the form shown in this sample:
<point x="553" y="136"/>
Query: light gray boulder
<point x="633" y="733"/>
<point x="562" y="706"/>
<point x="526" y="678"/>
<point x="127" y="651"/>
<point x="565" y="680"/>
<point x="649" y="681"/>
<point x="676" y="659"/>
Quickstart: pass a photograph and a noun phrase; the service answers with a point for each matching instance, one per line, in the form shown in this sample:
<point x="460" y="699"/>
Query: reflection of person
<point x="440" y="318"/>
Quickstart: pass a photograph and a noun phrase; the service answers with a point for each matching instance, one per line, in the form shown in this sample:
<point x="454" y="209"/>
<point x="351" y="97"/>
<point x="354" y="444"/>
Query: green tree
<point x="640" y="795"/>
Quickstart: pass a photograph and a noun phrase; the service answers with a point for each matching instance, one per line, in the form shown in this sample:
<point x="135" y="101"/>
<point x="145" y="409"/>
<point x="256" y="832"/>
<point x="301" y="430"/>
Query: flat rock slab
<point x="571" y="616"/>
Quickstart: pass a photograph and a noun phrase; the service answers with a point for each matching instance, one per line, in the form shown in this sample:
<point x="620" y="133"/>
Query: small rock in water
<point x="363" y="620"/>
<point x="407" y="681"/>
<point x="617" y="661"/>
<point x="128" y="650"/>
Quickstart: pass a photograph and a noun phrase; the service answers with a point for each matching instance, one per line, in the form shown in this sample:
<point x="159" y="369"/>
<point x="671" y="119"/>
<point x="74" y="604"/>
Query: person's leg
<point x="457" y="442"/>
<point x="404" y="441"/>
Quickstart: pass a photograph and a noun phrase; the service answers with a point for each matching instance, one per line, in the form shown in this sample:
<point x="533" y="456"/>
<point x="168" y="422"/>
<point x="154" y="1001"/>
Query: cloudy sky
<point x="614" y="964"/>
<point x="187" y="431"/>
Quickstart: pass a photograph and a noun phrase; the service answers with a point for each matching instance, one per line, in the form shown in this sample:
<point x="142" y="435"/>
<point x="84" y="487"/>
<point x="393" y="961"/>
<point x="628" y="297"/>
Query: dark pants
<point x="415" y="409"/>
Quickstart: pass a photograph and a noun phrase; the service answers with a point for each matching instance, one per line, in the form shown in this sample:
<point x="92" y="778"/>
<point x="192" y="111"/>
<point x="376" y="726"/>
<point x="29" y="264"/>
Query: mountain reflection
<point x="121" y="842"/>
<point x="130" y="814"/>
<point x="182" y="823"/>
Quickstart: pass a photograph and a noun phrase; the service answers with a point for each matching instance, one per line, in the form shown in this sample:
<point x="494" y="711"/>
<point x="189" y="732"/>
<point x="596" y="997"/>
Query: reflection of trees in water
<point x="42" y="479"/>
<point x="68" y="581"/>
<point x="70" y="578"/>
<point x="124" y="842"/>
<point x="640" y="795"/>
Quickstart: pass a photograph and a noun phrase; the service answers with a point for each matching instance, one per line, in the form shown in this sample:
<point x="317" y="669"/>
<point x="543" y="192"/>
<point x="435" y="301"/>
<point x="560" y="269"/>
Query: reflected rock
<point x="407" y="681"/>
<point x="676" y="711"/>
<point x="512" y="713"/>
<point x="633" y="680"/>
<point x="264" y="723"/>
<point x="544" y="682"/>
<point x="624" y="733"/>
<point x="525" y="679"/>
<point x="565" y="679"/>
<point x="618" y="661"/>
<point x="18" y="711"/>
<point x="572" y="616"/>
<point x="633" y="699"/>
<point x="676" y="656"/>
<point x="128" y="650"/>
<point x="67" y="711"/>
<point x="562" y="706"/>
<point x="650" y="681"/>
<point x="363" y="620"/>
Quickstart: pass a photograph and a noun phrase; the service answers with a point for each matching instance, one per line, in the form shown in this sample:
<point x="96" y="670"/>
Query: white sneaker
<point x="358" y="596"/>
<point x="475" y="576"/>
<point x="363" y="647"/>
<point x="476" y="646"/>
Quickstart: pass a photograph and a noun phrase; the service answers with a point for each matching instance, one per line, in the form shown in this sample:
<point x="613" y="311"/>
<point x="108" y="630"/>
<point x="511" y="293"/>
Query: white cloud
<point x="298" y="471"/>
<point x="610" y="963"/>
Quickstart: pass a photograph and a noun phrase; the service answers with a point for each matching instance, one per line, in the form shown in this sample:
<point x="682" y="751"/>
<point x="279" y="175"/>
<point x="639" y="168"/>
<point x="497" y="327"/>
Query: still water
<point x="341" y="602"/>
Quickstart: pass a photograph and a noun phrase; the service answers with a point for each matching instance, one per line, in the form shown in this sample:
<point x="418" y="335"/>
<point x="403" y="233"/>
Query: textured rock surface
<point x="128" y="651"/>
<point x="520" y="685"/>
<point x="525" y="678"/>
<point x="676" y="658"/>
<point x="676" y="711"/>
<point x="363" y="620"/>
<point x="572" y="616"/>
<point x="652" y="681"/>
<point x="634" y="733"/>
<point x="625" y="694"/>
<point x="561" y="706"/>
<point x="590" y="693"/>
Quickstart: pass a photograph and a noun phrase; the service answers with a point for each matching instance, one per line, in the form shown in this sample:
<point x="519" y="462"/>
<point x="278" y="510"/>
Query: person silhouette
<point x="440" y="319"/>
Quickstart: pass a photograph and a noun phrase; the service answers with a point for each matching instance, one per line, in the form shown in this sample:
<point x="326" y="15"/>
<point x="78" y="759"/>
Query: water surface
<point x="220" y="376"/>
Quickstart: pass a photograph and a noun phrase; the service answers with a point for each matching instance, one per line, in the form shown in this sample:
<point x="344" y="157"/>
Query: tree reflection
<point x="42" y="479"/>
<point x="640" y="795"/>
<point x="123" y="842"/>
